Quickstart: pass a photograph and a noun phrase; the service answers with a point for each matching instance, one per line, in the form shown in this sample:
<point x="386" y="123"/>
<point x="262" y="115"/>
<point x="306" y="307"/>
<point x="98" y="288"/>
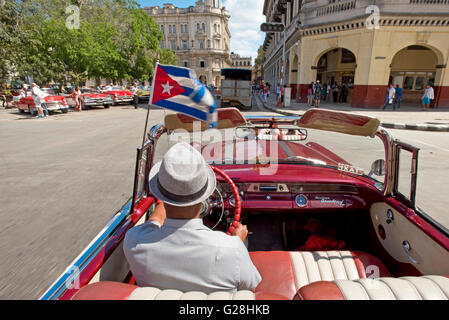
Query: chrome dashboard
<point x="298" y="197"/>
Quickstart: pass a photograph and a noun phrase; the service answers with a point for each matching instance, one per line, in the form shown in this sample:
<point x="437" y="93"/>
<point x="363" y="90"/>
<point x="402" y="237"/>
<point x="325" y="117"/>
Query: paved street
<point x="64" y="177"/>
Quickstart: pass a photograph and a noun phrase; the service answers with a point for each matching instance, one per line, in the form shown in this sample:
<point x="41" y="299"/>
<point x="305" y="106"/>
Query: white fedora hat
<point x="182" y="178"/>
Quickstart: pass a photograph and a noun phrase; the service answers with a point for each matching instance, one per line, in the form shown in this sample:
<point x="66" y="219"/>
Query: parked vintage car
<point x="144" y="93"/>
<point x="328" y="198"/>
<point x="120" y="95"/>
<point x="91" y="98"/>
<point x="52" y="101"/>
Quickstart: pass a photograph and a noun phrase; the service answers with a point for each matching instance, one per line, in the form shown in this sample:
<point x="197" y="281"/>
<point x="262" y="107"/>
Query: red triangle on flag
<point x="164" y="86"/>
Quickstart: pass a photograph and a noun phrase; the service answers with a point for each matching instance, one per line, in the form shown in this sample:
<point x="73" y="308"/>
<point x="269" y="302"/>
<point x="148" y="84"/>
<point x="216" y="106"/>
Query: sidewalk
<point x="409" y="118"/>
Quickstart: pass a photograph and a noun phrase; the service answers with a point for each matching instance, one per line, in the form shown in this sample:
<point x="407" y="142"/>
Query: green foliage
<point x="115" y="40"/>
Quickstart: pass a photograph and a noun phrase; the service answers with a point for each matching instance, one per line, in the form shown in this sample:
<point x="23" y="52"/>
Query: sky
<point x="246" y="18"/>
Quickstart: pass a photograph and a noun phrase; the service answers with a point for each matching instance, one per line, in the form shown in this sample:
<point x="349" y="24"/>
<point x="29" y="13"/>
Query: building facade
<point x="199" y="35"/>
<point x="364" y="44"/>
<point x="241" y="62"/>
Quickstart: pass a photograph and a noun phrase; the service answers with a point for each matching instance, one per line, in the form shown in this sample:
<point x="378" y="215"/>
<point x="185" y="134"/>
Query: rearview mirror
<point x="378" y="168"/>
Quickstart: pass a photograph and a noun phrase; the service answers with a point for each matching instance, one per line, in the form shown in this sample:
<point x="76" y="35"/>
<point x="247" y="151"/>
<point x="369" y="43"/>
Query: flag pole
<point x="151" y="100"/>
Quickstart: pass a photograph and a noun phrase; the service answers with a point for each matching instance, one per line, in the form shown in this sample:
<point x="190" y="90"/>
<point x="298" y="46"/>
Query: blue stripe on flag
<point x="188" y="92"/>
<point x="199" y="95"/>
<point x="183" y="109"/>
<point x="176" y="71"/>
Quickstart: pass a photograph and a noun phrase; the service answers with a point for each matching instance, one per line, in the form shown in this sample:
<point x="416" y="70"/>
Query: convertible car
<point x="91" y="98"/>
<point x="120" y="95"/>
<point x="52" y="101"/>
<point x="328" y="198"/>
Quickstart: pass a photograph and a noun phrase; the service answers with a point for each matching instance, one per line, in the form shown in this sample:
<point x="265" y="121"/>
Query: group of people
<point x="394" y="97"/>
<point x="316" y="92"/>
<point x="263" y="89"/>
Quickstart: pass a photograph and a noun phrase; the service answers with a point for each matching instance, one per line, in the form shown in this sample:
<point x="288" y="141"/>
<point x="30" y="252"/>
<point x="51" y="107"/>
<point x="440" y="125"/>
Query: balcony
<point x="322" y="12"/>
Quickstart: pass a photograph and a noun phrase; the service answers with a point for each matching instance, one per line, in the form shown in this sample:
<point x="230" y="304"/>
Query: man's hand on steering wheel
<point x="241" y="231"/>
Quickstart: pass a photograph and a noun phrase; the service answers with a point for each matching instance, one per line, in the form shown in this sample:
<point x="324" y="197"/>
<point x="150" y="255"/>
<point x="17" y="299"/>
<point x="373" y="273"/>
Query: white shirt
<point x="391" y="93"/>
<point x="429" y="93"/>
<point x="188" y="256"/>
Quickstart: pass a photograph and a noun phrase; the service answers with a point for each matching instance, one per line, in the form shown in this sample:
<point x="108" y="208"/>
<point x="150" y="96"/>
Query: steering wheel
<point x="238" y="204"/>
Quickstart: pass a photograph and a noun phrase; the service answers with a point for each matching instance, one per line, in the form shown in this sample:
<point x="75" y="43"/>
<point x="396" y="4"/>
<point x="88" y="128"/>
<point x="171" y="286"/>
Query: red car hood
<point x="250" y="149"/>
<point x="292" y="173"/>
<point x="120" y="93"/>
<point x="51" y="98"/>
<point x="94" y="95"/>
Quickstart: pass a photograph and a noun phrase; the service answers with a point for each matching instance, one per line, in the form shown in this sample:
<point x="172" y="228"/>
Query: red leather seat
<point x="284" y="273"/>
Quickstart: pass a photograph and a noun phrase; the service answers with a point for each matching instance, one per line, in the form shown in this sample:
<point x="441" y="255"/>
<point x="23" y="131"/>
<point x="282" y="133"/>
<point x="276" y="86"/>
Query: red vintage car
<point x="120" y="95"/>
<point x="92" y="98"/>
<point x="328" y="198"/>
<point x="52" y="101"/>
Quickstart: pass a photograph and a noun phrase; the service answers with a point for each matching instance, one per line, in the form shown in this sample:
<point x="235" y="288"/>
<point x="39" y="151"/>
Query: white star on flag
<point x="167" y="87"/>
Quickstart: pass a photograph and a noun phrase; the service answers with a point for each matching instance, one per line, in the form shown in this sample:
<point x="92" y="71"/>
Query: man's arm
<point x="159" y="214"/>
<point x="249" y="275"/>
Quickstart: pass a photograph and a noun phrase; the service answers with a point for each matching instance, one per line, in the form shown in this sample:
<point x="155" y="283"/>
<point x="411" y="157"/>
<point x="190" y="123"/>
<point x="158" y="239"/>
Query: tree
<point x="115" y="39"/>
<point x="259" y="62"/>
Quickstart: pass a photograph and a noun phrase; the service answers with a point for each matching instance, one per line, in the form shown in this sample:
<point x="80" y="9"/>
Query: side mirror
<point x="378" y="168"/>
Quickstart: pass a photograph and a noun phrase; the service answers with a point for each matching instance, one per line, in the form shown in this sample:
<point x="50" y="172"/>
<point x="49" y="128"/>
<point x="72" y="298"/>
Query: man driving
<point x="174" y="249"/>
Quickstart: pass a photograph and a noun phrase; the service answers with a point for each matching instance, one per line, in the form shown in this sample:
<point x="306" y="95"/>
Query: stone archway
<point x="412" y="68"/>
<point x="337" y="66"/>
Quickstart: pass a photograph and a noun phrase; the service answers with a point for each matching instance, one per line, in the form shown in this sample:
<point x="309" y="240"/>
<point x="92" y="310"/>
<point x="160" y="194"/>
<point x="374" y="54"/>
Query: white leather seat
<point x="284" y="272"/>
<point x="151" y="293"/>
<point x="386" y="288"/>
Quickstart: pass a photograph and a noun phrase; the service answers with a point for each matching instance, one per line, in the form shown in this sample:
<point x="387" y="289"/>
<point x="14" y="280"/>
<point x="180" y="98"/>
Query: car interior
<point x="310" y="237"/>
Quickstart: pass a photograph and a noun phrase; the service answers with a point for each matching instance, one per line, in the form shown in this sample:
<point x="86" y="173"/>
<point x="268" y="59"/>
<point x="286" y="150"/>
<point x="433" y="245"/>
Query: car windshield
<point x="364" y="156"/>
<point x="117" y="88"/>
<point x="87" y="90"/>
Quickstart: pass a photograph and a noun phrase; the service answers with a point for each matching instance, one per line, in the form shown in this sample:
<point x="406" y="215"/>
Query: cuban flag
<point x="178" y="89"/>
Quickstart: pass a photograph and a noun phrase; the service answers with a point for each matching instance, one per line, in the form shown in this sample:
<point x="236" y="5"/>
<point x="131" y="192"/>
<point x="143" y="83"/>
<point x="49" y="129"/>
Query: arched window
<point x="185" y="29"/>
<point x="198" y="26"/>
<point x="169" y="28"/>
<point x="203" y="27"/>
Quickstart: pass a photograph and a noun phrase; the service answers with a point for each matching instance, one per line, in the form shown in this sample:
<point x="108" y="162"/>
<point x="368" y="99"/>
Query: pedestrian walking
<point x="310" y="95"/>
<point x="38" y="95"/>
<point x="77" y="98"/>
<point x="283" y="94"/>
<point x="344" y="93"/>
<point x="323" y="92"/>
<point x="390" y="96"/>
<point x="134" y="90"/>
<point x="265" y="92"/>
<point x="328" y="91"/>
<point x="428" y="96"/>
<point x="278" y="91"/>
<point x="317" y="94"/>
<point x="398" y="98"/>
<point x="335" y="92"/>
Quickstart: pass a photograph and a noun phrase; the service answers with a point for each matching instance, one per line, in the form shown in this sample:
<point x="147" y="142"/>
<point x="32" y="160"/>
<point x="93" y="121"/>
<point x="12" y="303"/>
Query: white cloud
<point x="246" y="18"/>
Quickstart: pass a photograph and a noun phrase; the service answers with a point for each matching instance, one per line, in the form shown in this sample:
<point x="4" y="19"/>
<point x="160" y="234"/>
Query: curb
<point x="402" y="126"/>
